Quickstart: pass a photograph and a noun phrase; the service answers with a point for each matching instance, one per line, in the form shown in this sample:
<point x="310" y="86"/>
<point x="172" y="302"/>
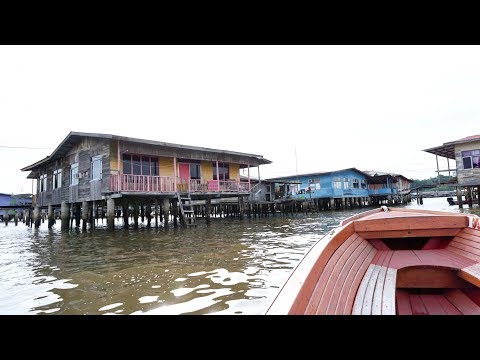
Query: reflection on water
<point x="231" y="267"/>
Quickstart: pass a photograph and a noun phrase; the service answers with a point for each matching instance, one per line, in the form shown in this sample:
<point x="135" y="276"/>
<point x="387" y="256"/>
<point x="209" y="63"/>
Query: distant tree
<point x="434" y="181"/>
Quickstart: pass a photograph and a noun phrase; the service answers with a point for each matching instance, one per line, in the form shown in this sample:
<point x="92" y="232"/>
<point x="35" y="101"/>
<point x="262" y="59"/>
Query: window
<point x="364" y="184"/>
<point x="96" y="169"/>
<point x="314" y="184"/>
<point x="337" y="183"/>
<point x="346" y="183"/>
<point x="57" y="179"/>
<point x="223" y="173"/>
<point x="195" y="171"/>
<point x="74" y="174"/>
<point x="43" y="182"/>
<point x="471" y="159"/>
<point x="355" y="184"/>
<point x="140" y="165"/>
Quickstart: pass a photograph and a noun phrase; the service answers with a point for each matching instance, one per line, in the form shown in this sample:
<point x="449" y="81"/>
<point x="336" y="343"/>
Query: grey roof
<point x="73" y="137"/>
<point x="315" y="173"/>
<point x="448" y="149"/>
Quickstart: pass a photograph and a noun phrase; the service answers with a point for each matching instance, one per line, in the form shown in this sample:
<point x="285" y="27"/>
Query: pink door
<point x="184" y="174"/>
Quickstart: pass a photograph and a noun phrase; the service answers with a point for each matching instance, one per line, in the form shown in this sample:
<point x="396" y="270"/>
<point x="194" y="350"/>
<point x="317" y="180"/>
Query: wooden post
<point x="148" y="214"/>
<point x="174" y="175"/>
<point x="110" y="214"/>
<point x="332" y="203"/>
<point x="218" y="178"/>
<point x="478" y="195"/>
<point x="93" y="215"/>
<point x="175" y="212"/>
<point x="208" y="204"/>
<point x="249" y="187"/>
<point x="343" y="203"/>
<point x="51" y="219"/>
<point x="84" y="215"/>
<point x="77" y="215"/>
<point x="469" y="196"/>
<point x="156" y="214"/>
<point x="135" y="215"/>
<point x="36" y="217"/>
<point x="459" y="198"/>
<point x="241" y="207"/>
<point x="166" y="210"/>
<point x="125" y="214"/>
<point x="27" y="217"/>
<point x="15" y="218"/>
<point x="65" y="215"/>
<point x="142" y="212"/>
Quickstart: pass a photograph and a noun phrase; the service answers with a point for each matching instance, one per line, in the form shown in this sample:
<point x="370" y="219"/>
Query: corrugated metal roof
<point x="73" y="137"/>
<point x="315" y="173"/>
<point x="447" y="150"/>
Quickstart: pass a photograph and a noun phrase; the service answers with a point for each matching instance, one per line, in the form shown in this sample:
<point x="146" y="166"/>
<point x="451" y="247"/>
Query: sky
<point x="305" y="108"/>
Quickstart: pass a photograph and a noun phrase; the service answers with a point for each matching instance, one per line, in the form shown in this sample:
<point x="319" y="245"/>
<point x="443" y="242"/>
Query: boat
<point x="389" y="261"/>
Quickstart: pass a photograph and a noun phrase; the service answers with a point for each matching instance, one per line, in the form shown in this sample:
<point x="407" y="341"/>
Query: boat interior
<point x="416" y="263"/>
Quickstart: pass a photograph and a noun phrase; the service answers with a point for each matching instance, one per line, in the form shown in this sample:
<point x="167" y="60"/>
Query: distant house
<point x="332" y="187"/>
<point x="388" y="184"/>
<point x="88" y="167"/>
<point x="466" y="154"/>
<point x="8" y="203"/>
<point x="343" y="186"/>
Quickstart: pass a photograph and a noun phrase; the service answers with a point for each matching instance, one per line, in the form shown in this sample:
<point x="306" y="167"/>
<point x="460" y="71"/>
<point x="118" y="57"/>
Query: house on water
<point x="88" y="170"/>
<point x="14" y="205"/>
<point x="343" y="188"/>
<point x="466" y="170"/>
<point x="388" y="186"/>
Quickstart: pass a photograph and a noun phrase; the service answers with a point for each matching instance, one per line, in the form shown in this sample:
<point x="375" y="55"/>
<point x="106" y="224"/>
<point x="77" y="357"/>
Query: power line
<point x="24" y="147"/>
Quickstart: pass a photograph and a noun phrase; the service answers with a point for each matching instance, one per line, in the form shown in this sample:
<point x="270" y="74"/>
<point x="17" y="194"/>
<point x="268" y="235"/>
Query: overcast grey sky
<point x="369" y="107"/>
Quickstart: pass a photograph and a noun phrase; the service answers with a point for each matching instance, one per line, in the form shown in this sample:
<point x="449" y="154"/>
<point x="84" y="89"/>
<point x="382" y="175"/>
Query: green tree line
<point x="434" y="181"/>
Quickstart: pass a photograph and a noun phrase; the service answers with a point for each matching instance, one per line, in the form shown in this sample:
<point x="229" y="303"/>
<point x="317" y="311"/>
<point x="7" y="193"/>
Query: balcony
<point x="159" y="184"/>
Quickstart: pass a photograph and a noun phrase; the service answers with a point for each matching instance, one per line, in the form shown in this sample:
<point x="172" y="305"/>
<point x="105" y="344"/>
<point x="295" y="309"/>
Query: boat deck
<point x="370" y="266"/>
<point x="453" y="302"/>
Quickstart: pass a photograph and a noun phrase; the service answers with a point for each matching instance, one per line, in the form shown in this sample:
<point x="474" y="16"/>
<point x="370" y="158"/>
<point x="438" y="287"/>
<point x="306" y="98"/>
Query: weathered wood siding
<point x="466" y="177"/>
<point x="165" y="165"/>
<point x="50" y="196"/>
<point x="155" y="150"/>
<point x="207" y="170"/>
<point x="86" y="189"/>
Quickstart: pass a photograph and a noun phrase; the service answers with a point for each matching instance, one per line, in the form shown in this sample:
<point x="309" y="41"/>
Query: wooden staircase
<point x="187" y="215"/>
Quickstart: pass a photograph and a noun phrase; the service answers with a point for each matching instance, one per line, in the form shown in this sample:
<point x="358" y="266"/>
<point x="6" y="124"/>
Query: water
<point x="231" y="267"/>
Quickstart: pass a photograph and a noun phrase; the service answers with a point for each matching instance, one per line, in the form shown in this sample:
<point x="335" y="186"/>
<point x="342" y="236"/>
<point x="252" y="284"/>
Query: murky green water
<point x="230" y="267"/>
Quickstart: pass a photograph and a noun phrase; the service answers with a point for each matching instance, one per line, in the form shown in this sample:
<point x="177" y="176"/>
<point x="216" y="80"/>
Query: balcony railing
<point x="141" y="183"/>
<point x="144" y="183"/>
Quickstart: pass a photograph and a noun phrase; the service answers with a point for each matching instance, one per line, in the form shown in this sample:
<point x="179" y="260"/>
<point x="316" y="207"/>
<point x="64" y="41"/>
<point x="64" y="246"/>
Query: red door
<point x="184" y="174"/>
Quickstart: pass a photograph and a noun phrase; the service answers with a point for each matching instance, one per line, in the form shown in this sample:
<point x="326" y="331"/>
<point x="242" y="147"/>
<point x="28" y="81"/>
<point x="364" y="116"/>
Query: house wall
<point x="234" y="172"/>
<point x="165" y="165"/>
<point x="207" y="170"/>
<point x="82" y="152"/>
<point x="326" y="185"/>
<point x="466" y="177"/>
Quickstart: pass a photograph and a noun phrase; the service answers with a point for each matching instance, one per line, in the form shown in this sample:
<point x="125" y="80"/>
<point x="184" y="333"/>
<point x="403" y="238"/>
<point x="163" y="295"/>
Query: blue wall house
<point x="343" y="188"/>
<point x="9" y="201"/>
<point x="331" y="189"/>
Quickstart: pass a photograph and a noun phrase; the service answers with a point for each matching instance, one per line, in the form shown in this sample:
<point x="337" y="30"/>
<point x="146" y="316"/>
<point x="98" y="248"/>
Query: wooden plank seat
<point x="377" y="292"/>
